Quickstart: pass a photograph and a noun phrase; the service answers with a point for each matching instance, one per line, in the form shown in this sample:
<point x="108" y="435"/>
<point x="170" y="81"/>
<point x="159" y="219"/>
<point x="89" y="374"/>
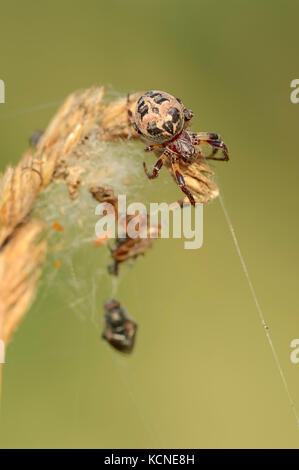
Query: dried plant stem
<point x="21" y="251"/>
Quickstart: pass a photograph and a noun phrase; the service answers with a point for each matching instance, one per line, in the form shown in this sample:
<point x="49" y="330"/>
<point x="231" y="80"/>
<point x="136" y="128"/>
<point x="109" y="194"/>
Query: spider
<point x="162" y="120"/>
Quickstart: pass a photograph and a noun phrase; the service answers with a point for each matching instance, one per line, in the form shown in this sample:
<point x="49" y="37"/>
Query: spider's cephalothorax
<point x="161" y="121"/>
<point x="120" y="329"/>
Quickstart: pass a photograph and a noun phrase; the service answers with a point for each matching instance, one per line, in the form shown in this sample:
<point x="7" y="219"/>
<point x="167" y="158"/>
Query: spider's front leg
<point x="213" y="140"/>
<point x="180" y="178"/>
<point x="158" y="165"/>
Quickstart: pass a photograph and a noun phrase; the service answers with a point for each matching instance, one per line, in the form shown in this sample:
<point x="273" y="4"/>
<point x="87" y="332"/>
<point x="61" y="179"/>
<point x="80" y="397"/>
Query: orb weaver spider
<point x="161" y="121"/>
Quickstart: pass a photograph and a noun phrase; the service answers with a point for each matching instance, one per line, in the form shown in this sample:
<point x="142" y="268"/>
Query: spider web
<point x="75" y="269"/>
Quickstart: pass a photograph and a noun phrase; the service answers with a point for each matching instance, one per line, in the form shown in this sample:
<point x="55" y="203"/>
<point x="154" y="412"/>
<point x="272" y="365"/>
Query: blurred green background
<point x="202" y="374"/>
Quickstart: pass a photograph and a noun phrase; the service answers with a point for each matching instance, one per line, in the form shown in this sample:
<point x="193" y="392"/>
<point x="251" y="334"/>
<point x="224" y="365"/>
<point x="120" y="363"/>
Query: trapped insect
<point x="119" y="329"/>
<point x="128" y="248"/>
<point x="162" y="120"/>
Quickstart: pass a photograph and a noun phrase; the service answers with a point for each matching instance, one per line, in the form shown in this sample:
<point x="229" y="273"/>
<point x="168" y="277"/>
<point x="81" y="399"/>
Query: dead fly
<point x="119" y="328"/>
<point x="126" y="248"/>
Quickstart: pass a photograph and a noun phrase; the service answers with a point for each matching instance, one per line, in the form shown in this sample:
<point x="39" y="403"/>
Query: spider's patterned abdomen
<point x="159" y="116"/>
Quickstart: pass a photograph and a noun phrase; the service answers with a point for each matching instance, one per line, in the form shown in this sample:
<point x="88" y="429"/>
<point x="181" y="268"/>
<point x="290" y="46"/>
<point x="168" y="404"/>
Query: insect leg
<point x="212" y="139"/>
<point x="158" y="165"/>
<point x="181" y="180"/>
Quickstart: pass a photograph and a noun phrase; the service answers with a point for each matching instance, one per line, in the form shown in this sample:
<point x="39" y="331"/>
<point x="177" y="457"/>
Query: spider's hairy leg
<point x="205" y="135"/>
<point x="153" y="147"/>
<point x="158" y="165"/>
<point x="213" y="140"/>
<point x="180" y="179"/>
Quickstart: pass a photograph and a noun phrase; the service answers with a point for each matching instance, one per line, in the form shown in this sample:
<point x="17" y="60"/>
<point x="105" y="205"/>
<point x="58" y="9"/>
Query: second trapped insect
<point x="119" y="329"/>
<point x="161" y="121"/>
